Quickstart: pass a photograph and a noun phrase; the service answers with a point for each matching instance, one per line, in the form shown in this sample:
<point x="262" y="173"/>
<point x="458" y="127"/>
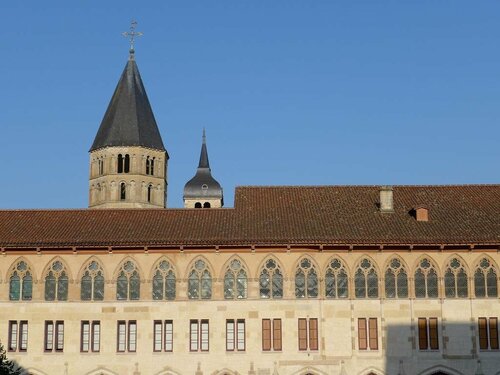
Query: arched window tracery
<point x="336" y="280"/>
<point x="164" y="281"/>
<point x="366" y="280"/>
<point x="128" y="282"/>
<point x="21" y="282"/>
<point x="486" y="279"/>
<point x="200" y="281"/>
<point x="271" y="280"/>
<point x="455" y="280"/>
<point x="396" y="280"/>
<point x="235" y="281"/>
<point x="56" y="282"/>
<point x="306" y="280"/>
<point x="426" y="279"/>
<point x="92" y="282"/>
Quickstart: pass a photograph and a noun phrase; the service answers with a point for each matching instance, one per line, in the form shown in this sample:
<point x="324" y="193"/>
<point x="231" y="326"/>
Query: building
<point x="293" y="280"/>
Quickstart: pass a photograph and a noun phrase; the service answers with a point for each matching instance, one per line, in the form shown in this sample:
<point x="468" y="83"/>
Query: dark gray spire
<point x="203" y="184"/>
<point x="129" y="119"/>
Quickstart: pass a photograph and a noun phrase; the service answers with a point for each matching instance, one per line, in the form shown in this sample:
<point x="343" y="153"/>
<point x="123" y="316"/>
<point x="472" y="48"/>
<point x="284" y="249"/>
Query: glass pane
<point x="122" y="287"/>
<point x="27" y="287"/>
<point x="449" y="284"/>
<point x="359" y="285"/>
<point x="135" y="286"/>
<point x="50" y="287"/>
<point x="241" y="284"/>
<point x="419" y="284"/>
<point x="342" y="284"/>
<point x="300" y="284"/>
<point x="86" y="288"/>
<point x="15" y="288"/>
<point x="157" y="286"/>
<point x="432" y="284"/>
<point x="229" y="285"/>
<point x="99" y="288"/>
<point x="277" y="284"/>
<point x="312" y="284"/>
<point x="491" y="281"/>
<point x="402" y="286"/>
<point x="193" y="286"/>
<point x="206" y="285"/>
<point x="264" y="283"/>
<point x="330" y="291"/>
<point x="170" y="286"/>
<point x="372" y="281"/>
<point x="462" y="284"/>
<point x="390" y="284"/>
<point x="62" y="288"/>
<point x="479" y="284"/>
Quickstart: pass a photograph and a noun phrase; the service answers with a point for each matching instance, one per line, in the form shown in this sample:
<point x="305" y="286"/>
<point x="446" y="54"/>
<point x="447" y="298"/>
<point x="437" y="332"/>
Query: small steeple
<point x="203" y="191"/>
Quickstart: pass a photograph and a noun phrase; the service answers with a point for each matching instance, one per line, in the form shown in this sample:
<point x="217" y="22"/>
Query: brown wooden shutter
<point x="422" y="334"/>
<point x="277" y="334"/>
<point x="302" y="334"/>
<point x="373" y="333"/>
<point x="266" y="334"/>
<point x="313" y="334"/>
<point x="493" y="333"/>
<point x="362" y="336"/>
<point x="433" y="334"/>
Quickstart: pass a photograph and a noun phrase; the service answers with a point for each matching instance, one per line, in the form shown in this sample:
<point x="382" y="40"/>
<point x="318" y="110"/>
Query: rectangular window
<point x="163" y="333"/>
<point x="121" y="336"/>
<point x="23" y="335"/>
<point x="157" y="334"/>
<point x="49" y="336"/>
<point x="367" y="334"/>
<point x="428" y="338"/>
<point x="266" y="334"/>
<point x="90" y="337"/>
<point x="169" y="336"/>
<point x="132" y="336"/>
<point x="277" y="334"/>
<point x="235" y="335"/>
<point x="488" y="333"/>
<point x="198" y="335"/>
<point x="59" y="336"/>
<point x="271" y="334"/>
<point x="308" y="334"/>
<point x="13" y="327"/>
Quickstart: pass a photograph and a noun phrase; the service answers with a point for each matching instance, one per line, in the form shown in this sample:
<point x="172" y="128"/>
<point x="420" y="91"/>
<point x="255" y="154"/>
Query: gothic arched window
<point x="152" y="167"/>
<point x="306" y="280"/>
<point x="336" y="280"/>
<point x="206" y="205"/>
<point x="200" y="281"/>
<point x="235" y="281"/>
<point x="271" y="280"/>
<point x="92" y="283"/>
<point x="128" y="282"/>
<point x="150" y="193"/>
<point x="147" y="165"/>
<point x="366" y="280"/>
<point x="197" y="205"/>
<point x="123" y="191"/>
<point x="426" y="280"/>
<point x="56" y="282"/>
<point x="486" y="279"/>
<point x="455" y="280"/>
<point x="396" y="280"/>
<point x="164" y="281"/>
<point x="126" y="164"/>
<point x="21" y="282"/>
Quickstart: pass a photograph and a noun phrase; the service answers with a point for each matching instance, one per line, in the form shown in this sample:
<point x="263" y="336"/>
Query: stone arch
<point x="445" y="370"/>
<point x="86" y="263"/>
<point x="101" y="371"/>
<point x="476" y="261"/>
<point x="301" y="268"/>
<point x="326" y="265"/>
<point x="334" y="271"/>
<point x="207" y="262"/>
<point x="309" y="371"/>
<point x="163" y="279"/>
<point x="244" y="265"/>
<point x="300" y="258"/>
<point x="157" y="262"/>
<point x="235" y="275"/>
<point x="167" y="370"/>
<point x="433" y="261"/>
<point x="365" y="277"/>
<point x="403" y="266"/>
<point x="200" y="278"/>
<point x="371" y="371"/>
<point x="462" y="261"/>
<point x="400" y="258"/>
<point x="15" y="262"/>
<point x="456" y="288"/>
<point x="263" y="262"/>
<point x="477" y="265"/>
<point x="122" y="262"/>
<point x="225" y="371"/>
<point x="49" y="264"/>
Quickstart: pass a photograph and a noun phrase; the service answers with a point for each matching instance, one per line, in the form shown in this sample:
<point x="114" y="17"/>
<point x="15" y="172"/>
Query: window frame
<point x="492" y="340"/>
<point x="368" y="334"/>
<point x="237" y="335"/>
<point x="308" y="334"/>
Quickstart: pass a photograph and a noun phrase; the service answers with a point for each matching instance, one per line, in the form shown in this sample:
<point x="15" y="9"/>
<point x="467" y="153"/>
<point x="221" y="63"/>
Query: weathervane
<point x="132" y="34"/>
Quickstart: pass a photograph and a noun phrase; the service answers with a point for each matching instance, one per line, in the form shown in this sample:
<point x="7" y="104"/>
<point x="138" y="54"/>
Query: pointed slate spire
<point x="129" y="119"/>
<point x="204" y="154"/>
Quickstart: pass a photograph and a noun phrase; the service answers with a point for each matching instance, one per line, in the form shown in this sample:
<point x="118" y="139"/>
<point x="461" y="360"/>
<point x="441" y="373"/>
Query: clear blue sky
<point x="290" y="92"/>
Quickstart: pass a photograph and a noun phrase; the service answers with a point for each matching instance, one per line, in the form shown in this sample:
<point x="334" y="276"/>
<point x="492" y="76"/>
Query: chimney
<point x="386" y="200"/>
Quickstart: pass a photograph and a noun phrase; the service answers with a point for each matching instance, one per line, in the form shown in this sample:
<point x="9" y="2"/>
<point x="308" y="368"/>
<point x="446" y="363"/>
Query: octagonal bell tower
<point x="128" y="161"/>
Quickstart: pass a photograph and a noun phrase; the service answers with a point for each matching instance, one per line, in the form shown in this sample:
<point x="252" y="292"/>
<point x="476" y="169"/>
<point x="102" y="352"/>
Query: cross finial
<point x="131" y="35"/>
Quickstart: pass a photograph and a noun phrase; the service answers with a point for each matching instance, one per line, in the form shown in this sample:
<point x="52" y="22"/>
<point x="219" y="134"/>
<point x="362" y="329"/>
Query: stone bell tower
<point x="128" y="161"/>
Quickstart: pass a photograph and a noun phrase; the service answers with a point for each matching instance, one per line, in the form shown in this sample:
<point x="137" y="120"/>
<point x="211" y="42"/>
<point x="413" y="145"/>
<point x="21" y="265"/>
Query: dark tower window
<point x="150" y="193"/>
<point x="101" y="166"/>
<point x="197" y="205"/>
<point x="147" y="165"/>
<point x="127" y="164"/>
<point x="206" y="205"/>
<point x="152" y="168"/>
<point x="122" y="191"/>
<point x="120" y="163"/>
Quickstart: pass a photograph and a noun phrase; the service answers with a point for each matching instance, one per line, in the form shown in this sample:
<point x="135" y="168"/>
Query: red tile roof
<point x="274" y="215"/>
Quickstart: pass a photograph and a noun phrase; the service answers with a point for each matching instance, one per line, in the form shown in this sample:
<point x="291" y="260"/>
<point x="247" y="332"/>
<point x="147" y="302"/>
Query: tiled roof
<point x="274" y="215"/>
